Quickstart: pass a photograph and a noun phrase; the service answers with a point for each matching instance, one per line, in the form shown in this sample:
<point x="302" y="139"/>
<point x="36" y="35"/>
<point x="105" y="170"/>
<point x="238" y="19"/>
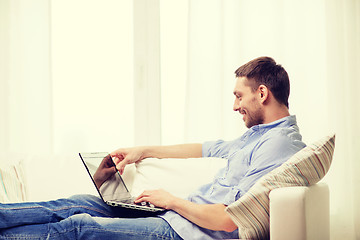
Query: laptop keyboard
<point x="131" y="201"/>
<point x="128" y="201"/>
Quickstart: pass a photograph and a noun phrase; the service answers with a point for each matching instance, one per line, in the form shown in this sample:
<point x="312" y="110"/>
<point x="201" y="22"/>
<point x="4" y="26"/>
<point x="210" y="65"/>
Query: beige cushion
<point x="308" y="166"/>
<point x="178" y="176"/>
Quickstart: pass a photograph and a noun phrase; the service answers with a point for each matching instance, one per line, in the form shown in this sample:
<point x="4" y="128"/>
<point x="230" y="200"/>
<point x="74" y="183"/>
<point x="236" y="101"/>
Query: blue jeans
<point x="79" y="217"/>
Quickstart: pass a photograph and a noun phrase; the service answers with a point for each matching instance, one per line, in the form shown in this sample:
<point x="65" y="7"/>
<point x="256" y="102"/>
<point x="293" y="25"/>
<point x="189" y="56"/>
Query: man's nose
<point x="236" y="105"/>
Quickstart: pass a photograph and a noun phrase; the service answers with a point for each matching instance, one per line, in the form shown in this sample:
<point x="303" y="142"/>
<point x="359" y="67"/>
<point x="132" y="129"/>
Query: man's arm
<point x="124" y="156"/>
<point x="210" y="216"/>
<point x="191" y="150"/>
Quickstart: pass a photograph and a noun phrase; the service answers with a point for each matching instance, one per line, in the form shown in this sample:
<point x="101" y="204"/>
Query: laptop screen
<point x="112" y="186"/>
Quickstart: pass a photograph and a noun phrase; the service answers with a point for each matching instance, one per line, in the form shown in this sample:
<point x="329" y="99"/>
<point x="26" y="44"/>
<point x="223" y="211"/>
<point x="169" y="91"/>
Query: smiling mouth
<point x="243" y="113"/>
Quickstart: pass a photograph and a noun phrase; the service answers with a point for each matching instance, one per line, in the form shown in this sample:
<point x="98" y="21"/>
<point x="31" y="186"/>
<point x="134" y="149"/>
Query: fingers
<point x="159" y="198"/>
<point x="116" y="160"/>
<point x="119" y="153"/>
<point x="120" y="165"/>
<point x="143" y="197"/>
<point x="124" y="156"/>
<point x="119" y="160"/>
<point x="145" y="200"/>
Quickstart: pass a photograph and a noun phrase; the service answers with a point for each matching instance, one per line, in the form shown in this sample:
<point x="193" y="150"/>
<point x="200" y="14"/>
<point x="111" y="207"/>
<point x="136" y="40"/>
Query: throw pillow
<point x="308" y="166"/>
<point x="12" y="182"/>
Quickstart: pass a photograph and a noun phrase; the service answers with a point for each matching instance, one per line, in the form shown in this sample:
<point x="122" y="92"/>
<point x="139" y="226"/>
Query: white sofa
<point x="296" y="213"/>
<point x="300" y="213"/>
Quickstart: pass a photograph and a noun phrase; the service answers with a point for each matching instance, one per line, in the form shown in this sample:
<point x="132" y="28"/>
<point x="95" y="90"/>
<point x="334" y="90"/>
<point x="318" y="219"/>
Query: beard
<point x="253" y="118"/>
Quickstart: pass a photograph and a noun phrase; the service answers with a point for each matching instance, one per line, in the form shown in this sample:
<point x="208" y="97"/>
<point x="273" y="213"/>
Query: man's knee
<point x="71" y="227"/>
<point x="78" y="221"/>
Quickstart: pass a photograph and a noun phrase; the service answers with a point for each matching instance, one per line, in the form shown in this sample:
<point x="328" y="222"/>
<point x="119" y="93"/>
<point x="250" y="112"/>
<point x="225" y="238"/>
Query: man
<point x="261" y="97"/>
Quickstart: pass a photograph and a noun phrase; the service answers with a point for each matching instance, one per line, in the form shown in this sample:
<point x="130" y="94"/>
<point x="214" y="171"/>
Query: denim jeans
<point x="79" y="217"/>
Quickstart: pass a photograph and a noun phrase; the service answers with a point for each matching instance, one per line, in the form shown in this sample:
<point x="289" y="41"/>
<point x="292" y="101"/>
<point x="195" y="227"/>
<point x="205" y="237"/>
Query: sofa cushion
<point x="308" y="166"/>
<point x="177" y="176"/>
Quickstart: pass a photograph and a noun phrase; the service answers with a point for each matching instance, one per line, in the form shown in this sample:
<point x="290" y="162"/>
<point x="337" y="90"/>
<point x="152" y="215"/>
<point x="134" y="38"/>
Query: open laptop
<point x="113" y="191"/>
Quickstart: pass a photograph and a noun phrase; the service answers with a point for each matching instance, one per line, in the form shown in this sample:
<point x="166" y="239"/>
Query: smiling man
<point x="261" y="95"/>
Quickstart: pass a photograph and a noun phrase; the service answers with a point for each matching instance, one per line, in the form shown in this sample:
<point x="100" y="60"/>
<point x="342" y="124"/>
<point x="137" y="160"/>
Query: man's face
<point x="247" y="103"/>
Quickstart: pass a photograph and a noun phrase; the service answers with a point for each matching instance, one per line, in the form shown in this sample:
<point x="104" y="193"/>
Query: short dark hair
<point x="264" y="70"/>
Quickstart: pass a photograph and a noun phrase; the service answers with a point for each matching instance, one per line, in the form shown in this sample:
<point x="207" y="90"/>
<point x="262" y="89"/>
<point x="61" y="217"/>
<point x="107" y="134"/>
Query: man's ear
<point x="263" y="92"/>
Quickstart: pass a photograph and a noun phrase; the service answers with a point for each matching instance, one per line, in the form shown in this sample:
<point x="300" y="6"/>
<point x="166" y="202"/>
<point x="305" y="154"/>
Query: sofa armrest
<point x="300" y="213"/>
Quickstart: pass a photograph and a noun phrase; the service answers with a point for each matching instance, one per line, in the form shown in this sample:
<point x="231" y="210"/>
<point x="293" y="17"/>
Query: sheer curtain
<point x="24" y="84"/>
<point x="318" y="43"/>
<point x="343" y="74"/>
<point x="66" y="76"/>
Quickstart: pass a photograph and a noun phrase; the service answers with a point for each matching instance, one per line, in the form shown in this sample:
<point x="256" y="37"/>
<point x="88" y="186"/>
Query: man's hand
<point x="210" y="216"/>
<point x="159" y="198"/>
<point x="124" y="156"/>
<point x="105" y="170"/>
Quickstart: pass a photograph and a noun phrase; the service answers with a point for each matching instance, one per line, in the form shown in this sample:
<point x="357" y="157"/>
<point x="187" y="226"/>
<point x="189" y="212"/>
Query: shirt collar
<point x="283" y="122"/>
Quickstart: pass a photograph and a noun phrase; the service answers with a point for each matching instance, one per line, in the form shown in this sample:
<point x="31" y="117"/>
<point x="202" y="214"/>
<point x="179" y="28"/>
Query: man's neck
<point x="276" y="113"/>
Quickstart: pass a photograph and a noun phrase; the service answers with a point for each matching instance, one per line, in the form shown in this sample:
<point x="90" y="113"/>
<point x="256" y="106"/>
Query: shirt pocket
<point x="237" y="168"/>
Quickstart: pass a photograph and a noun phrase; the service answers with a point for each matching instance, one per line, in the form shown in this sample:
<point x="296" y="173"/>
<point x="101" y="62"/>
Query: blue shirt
<point x="261" y="149"/>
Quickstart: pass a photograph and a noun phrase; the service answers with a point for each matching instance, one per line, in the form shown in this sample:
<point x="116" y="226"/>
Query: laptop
<point x="113" y="191"/>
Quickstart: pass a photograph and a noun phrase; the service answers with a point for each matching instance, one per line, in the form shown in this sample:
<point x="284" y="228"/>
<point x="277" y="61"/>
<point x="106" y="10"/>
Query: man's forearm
<point x="124" y="156"/>
<point x="192" y="150"/>
<point x="210" y="216"/>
